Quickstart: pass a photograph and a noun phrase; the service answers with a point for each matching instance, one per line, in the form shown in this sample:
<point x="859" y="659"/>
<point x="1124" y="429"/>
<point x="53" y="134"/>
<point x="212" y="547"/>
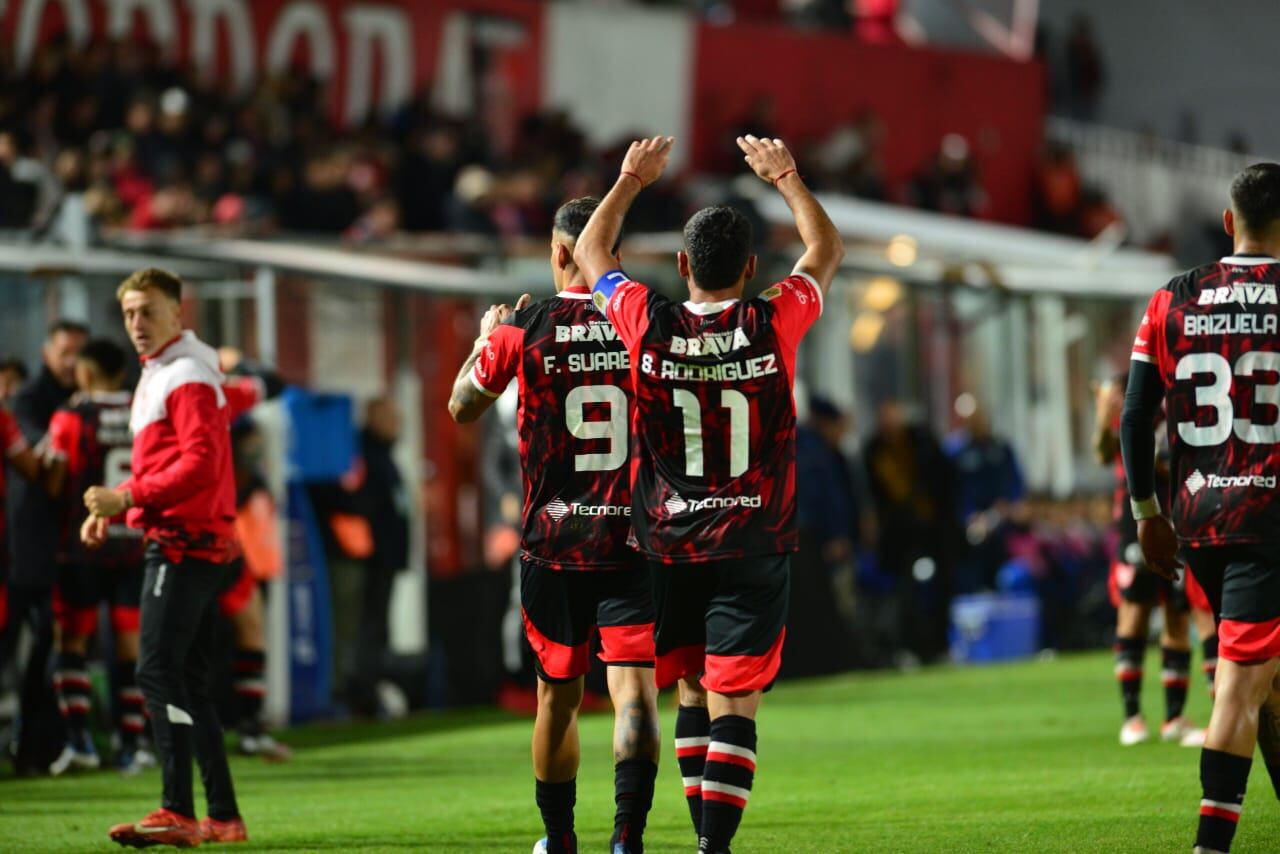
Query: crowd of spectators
<point x="115" y="132"/>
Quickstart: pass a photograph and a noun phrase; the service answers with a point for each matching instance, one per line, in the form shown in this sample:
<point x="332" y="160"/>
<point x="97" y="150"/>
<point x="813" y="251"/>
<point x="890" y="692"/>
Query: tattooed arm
<point x="468" y="401"/>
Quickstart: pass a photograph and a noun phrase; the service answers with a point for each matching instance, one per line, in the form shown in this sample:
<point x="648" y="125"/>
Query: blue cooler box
<point x="994" y="627"/>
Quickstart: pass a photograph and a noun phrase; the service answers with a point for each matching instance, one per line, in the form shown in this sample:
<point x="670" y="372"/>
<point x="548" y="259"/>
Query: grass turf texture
<point x="1017" y="757"/>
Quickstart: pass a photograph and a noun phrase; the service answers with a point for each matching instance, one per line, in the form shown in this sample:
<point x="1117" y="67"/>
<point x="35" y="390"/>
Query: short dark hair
<point x="106" y="355"/>
<point x="70" y="327"/>
<point x="718" y="242"/>
<point x="167" y="283"/>
<point x="1255" y="196"/>
<point x="572" y="216"/>
<point x="12" y="364"/>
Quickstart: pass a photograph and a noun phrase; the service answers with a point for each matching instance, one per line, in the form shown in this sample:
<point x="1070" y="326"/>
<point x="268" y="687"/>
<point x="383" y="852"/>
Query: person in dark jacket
<point x="31" y="556"/>
<point x="383" y="500"/>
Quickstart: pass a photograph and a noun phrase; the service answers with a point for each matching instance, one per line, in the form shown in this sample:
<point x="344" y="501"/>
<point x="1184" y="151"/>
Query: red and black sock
<point x="693" y="734"/>
<point x="556" y="802"/>
<point x="71" y="683"/>
<point x="633" y="794"/>
<point x="1175" y="675"/>
<point x="250" y="689"/>
<point x="131" y="716"/>
<point x="726" y="780"/>
<point x="1223" y="776"/>
<point x="1129" y="655"/>
<point x="1210" y="648"/>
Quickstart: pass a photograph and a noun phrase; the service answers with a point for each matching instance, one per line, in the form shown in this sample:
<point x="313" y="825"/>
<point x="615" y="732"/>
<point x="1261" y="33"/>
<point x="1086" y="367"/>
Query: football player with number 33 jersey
<point x="713" y="471"/>
<point x="1209" y="349"/>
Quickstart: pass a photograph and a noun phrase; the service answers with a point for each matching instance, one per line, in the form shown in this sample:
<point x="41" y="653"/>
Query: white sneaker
<point x="1134" y="732"/>
<point x="540" y="847"/>
<point x="1181" y="730"/>
<point x="71" y="759"/>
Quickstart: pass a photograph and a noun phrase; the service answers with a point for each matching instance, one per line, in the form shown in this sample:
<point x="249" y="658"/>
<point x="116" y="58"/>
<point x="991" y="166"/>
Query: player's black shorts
<point x="1242" y="584"/>
<point x="725" y="619"/>
<point x="1131" y="581"/>
<point x="82" y="588"/>
<point x="563" y="609"/>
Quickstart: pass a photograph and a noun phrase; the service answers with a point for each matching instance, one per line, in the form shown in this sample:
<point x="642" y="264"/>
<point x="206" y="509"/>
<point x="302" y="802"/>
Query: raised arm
<point x="468" y="401"/>
<point x="645" y="160"/>
<point x="823" y="250"/>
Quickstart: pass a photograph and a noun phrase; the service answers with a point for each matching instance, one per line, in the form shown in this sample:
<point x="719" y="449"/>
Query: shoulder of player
<point x="186" y="371"/>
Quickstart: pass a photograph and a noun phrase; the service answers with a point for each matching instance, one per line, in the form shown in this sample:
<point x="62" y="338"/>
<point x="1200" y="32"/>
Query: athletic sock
<point x="1210" y="648"/>
<point x="250" y="689"/>
<point x="1175" y="675"/>
<point x="726" y="781"/>
<point x="1129" y="655"/>
<point x="633" y="794"/>
<point x="131" y="719"/>
<point x="1223" y="776"/>
<point x="556" y="801"/>
<point x="693" y="734"/>
<point x="71" y="683"/>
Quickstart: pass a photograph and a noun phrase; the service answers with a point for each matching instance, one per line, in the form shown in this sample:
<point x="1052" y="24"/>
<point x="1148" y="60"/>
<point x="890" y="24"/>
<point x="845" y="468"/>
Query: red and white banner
<point x="376" y="55"/>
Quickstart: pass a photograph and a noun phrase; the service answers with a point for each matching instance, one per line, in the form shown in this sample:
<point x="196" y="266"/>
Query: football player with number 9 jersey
<point x="577" y="574"/>
<point x="1209" y="348"/>
<point x="713" y="467"/>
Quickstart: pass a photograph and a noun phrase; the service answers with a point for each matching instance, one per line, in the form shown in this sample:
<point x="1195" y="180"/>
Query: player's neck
<point x="699" y="295"/>
<point x="1247" y="245"/>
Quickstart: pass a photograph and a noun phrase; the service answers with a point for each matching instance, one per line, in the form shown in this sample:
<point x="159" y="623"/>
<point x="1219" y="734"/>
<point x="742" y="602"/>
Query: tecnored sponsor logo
<point x="676" y="504"/>
<point x="1198" y="481"/>
<point x="557" y="509"/>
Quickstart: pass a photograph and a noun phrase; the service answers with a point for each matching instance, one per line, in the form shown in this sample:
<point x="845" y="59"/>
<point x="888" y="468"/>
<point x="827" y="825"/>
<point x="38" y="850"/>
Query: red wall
<point x="819" y="81"/>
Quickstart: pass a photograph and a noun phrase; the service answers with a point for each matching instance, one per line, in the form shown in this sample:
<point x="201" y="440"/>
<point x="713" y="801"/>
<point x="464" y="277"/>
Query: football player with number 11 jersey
<point x="713" y="466"/>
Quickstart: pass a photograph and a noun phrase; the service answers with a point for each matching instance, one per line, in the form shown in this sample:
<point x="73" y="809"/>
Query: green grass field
<point x="1010" y="758"/>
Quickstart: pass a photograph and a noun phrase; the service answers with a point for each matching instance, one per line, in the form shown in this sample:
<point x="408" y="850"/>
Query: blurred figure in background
<point x="823" y="581"/>
<point x="913" y="486"/>
<point x="1136" y="592"/>
<point x="950" y="183"/>
<point x="13" y="373"/>
<point x="991" y="494"/>
<point x="1086" y="72"/>
<point x="32" y="566"/>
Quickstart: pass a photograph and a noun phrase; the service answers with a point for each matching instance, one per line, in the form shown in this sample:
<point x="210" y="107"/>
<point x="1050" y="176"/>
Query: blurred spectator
<point x="1238" y="143"/>
<point x="818" y="14"/>
<point x="823" y="595"/>
<point x="1058" y="193"/>
<point x="990" y="494"/>
<point x="1097" y="213"/>
<point x="912" y="484"/>
<point x="1086" y="72"/>
<point x="761" y="120"/>
<point x="950" y="183"/>
<point x="876" y="21"/>
<point x="13" y="373"/>
<point x="848" y="159"/>
<point x="31" y="556"/>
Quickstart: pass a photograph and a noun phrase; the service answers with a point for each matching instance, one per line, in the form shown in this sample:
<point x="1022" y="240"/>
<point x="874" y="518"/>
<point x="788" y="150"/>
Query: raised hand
<point x="646" y="158"/>
<point x="499" y="314"/>
<point x="769" y="158"/>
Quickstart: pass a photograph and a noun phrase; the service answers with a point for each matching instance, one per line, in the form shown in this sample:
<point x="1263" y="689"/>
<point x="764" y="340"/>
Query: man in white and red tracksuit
<point x="181" y="493"/>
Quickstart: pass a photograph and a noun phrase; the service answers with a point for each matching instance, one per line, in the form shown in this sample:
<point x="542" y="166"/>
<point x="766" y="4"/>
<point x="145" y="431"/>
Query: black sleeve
<point x="1142" y="400"/>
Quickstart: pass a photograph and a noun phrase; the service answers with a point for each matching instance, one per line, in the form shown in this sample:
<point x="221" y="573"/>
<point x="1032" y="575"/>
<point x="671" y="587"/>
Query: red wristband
<point x="633" y="175"/>
<point x="783" y="175"/>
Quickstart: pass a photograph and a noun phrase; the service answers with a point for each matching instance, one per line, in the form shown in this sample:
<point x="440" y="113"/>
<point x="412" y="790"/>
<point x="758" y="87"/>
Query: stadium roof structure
<point x="42" y="260"/>
<point x="934" y="248"/>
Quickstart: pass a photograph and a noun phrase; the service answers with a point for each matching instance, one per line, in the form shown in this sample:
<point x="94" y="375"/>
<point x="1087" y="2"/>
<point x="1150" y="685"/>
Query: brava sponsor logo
<point x="587" y="332"/>
<point x="1198" y="481"/>
<point x="1245" y="294"/>
<point x="710" y="343"/>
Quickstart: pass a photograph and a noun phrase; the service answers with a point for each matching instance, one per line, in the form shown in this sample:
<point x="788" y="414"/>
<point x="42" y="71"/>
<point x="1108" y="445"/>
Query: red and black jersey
<point x="90" y="433"/>
<point x="713" y="467"/>
<point x="574" y="411"/>
<point x="1214" y="335"/>
<point x="12" y="443"/>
